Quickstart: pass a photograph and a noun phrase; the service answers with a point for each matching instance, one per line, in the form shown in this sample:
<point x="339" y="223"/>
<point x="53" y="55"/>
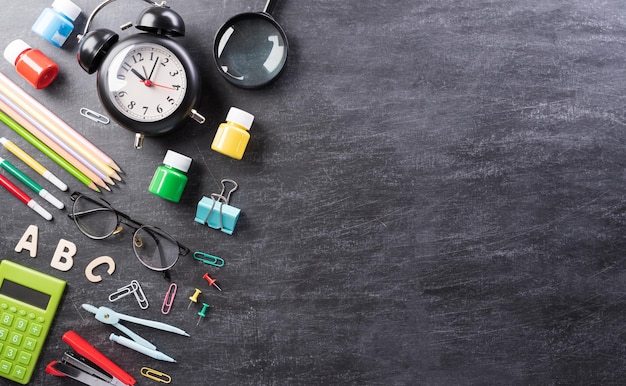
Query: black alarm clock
<point x="147" y="82"/>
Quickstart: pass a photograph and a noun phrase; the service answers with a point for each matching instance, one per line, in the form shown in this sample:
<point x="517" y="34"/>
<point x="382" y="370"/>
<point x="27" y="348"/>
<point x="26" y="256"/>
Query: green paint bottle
<point x="169" y="179"/>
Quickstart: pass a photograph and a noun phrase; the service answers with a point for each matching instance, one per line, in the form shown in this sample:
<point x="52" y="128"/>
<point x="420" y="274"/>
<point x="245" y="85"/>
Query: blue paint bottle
<point x="55" y="24"/>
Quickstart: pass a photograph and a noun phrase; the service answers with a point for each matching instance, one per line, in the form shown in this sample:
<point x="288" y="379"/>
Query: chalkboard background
<point x="433" y="194"/>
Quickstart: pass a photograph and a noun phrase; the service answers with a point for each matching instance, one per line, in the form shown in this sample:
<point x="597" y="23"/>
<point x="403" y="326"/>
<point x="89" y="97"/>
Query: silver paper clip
<point x="133" y="288"/>
<point x="140" y="296"/>
<point x="169" y="299"/>
<point x="209" y="259"/>
<point x="94" y="116"/>
<point x="122" y="292"/>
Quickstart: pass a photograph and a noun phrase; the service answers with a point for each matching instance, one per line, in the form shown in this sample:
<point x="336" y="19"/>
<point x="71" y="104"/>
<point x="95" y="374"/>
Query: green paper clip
<point x="209" y="259"/>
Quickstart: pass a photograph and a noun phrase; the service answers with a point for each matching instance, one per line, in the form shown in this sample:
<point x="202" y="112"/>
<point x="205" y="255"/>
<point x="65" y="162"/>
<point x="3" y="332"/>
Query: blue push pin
<point x="202" y="312"/>
<point x="215" y="211"/>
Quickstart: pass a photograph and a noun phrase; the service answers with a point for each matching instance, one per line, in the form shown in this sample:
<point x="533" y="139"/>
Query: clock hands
<point x="138" y="74"/>
<point x="153" y="67"/>
<point x="148" y="82"/>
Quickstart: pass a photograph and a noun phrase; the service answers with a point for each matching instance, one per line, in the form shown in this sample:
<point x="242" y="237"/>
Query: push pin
<point x="211" y="281"/>
<point x="202" y="312"/>
<point x="194" y="297"/>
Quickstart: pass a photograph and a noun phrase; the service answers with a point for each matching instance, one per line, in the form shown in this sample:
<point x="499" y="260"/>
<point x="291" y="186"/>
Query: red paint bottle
<point x="31" y="64"/>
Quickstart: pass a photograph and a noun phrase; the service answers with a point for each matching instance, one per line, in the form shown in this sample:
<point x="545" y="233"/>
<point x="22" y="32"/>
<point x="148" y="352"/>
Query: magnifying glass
<point x="250" y="49"/>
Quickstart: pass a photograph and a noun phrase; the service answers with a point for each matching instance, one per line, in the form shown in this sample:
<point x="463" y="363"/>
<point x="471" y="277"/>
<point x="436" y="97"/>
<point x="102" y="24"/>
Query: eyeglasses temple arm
<point x="183" y="250"/>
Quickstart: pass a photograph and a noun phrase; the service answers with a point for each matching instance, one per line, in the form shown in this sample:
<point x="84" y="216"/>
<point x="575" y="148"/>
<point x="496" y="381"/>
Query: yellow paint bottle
<point x="232" y="136"/>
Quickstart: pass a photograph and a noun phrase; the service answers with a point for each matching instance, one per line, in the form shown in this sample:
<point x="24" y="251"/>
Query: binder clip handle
<point x="227" y="197"/>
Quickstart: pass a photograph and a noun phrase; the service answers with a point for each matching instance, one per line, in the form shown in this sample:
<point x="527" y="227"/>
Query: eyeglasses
<point x="97" y="219"/>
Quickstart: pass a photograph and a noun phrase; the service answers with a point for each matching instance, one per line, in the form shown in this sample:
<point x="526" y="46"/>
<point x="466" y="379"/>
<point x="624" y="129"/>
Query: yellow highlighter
<point x="32" y="163"/>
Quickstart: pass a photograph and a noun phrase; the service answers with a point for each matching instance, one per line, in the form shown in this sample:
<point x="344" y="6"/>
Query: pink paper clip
<point x="169" y="299"/>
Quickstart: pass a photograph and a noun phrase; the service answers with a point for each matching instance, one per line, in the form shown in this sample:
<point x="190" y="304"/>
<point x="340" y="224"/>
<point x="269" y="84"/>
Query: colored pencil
<point x="56" y="125"/>
<point x="46" y="150"/>
<point x="17" y="192"/>
<point x="46" y="136"/>
<point x="20" y="124"/>
<point x="32" y="163"/>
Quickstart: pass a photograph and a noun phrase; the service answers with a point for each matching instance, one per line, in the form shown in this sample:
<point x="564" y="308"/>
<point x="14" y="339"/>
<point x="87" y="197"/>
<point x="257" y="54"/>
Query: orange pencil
<point x="56" y="126"/>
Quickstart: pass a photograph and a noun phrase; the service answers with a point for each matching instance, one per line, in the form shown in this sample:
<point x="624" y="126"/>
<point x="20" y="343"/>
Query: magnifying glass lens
<point x="251" y="51"/>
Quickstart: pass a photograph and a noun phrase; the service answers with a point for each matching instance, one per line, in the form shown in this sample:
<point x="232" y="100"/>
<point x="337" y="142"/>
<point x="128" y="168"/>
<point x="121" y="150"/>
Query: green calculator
<point x="28" y="301"/>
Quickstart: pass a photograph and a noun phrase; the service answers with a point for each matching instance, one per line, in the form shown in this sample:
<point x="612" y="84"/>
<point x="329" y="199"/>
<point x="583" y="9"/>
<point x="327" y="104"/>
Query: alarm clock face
<point x="147" y="82"/>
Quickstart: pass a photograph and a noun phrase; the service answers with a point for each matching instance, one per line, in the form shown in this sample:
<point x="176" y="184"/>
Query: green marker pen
<point x="32" y="185"/>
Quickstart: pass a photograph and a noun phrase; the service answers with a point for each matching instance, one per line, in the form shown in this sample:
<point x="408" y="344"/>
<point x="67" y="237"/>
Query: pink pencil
<point x="25" y="100"/>
<point x="52" y="145"/>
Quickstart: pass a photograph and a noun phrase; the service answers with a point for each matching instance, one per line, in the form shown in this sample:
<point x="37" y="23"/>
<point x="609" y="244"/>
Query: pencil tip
<point x="116" y="176"/>
<point x="93" y="187"/>
<point x="114" y="166"/>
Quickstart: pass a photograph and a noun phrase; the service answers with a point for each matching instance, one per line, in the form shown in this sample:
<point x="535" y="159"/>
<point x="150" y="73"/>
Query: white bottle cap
<point x="240" y="117"/>
<point x="177" y="161"/>
<point x="14" y="50"/>
<point x="67" y="8"/>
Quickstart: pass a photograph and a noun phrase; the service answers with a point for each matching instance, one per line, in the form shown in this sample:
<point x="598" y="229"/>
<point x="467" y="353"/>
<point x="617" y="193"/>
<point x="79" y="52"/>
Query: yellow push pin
<point x="202" y="313"/>
<point x="194" y="297"/>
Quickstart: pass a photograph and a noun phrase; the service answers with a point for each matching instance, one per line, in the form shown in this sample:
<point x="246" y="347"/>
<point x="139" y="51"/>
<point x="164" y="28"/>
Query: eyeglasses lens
<point x="94" y="218"/>
<point x="154" y="248"/>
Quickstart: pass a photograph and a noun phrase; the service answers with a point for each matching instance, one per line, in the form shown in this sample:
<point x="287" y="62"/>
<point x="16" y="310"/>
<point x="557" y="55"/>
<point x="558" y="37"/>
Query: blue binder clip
<point x="215" y="211"/>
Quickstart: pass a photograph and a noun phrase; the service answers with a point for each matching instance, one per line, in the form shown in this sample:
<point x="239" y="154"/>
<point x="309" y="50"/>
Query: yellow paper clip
<point x="155" y="375"/>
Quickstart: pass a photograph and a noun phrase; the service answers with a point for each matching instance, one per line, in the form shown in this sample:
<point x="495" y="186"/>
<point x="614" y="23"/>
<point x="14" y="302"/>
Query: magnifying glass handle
<point x="269" y="6"/>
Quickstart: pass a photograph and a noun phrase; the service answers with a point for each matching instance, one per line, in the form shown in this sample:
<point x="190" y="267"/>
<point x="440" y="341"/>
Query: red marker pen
<point x="17" y="192"/>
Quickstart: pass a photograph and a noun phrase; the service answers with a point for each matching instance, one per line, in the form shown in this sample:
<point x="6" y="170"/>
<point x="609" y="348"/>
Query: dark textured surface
<point x="433" y="194"/>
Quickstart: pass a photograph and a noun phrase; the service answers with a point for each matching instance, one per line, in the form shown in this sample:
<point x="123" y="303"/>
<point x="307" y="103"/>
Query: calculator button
<point x="21" y="324"/>
<point x="7" y="319"/>
<point x="19" y="372"/>
<point x="10" y="352"/>
<point x="24" y="358"/>
<point x="29" y="344"/>
<point x="35" y="329"/>
<point x="4" y="333"/>
<point x="22" y="313"/>
<point x="13" y="309"/>
<point x="41" y="319"/>
<point x="31" y="316"/>
<point x="4" y="306"/>
<point x="16" y="338"/>
<point x="5" y="367"/>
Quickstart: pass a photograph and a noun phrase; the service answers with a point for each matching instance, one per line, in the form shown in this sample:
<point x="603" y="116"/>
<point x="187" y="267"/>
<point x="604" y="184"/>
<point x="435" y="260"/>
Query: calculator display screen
<point x="24" y="294"/>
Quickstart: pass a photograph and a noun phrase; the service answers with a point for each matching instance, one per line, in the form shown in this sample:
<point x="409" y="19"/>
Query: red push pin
<point x="211" y="281"/>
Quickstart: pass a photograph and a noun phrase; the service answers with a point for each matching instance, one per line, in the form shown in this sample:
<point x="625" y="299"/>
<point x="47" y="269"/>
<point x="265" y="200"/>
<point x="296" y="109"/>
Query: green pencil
<point x="47" y="151"/>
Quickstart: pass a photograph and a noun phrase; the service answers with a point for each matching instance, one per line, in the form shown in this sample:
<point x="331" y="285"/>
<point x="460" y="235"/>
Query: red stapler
<point x="88" y="365"/>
